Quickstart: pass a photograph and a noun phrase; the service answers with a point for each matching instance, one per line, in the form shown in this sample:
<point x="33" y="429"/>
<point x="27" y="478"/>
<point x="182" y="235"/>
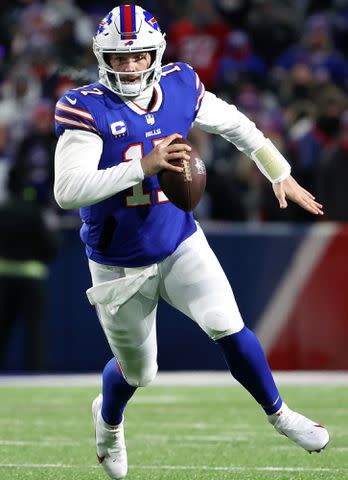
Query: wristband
<point x="271" y="162"/>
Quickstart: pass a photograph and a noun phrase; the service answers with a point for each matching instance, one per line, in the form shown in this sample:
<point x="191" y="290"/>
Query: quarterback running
<point x="115" y="136"/>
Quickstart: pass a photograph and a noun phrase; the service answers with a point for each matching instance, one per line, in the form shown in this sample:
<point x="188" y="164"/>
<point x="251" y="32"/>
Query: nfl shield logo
<point x="150" y="119"/>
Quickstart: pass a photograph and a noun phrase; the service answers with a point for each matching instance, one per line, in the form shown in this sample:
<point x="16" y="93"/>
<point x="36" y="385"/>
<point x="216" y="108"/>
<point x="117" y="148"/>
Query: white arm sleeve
<point x="78" y="182"/>
<point x="217" y="116"/>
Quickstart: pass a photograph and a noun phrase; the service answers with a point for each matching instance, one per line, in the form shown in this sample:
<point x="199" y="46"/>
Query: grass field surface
<point x="172" y="433"/>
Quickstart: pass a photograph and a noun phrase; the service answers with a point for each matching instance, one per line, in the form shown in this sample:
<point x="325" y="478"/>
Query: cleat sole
<point x="319" y="450"/>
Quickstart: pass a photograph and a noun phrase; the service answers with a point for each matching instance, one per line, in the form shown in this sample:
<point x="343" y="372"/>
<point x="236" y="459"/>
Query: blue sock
<point x="116" y="393"/>
<point x="248" y="364"/>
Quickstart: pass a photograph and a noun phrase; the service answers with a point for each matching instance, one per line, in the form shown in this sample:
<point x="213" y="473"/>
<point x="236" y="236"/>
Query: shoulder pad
<point x="72" y="111"/>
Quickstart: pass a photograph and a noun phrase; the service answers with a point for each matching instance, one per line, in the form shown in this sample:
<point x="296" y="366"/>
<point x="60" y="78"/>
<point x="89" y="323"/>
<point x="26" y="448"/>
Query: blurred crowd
<point x="284" y="64"/>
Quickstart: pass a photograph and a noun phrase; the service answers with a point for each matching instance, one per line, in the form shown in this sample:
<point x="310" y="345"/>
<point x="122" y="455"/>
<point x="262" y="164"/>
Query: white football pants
<point x="191" y="280"/>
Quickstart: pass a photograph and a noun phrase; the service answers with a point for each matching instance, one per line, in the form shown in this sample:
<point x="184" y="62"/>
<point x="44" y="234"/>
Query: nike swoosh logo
<point x="71" y="100"/>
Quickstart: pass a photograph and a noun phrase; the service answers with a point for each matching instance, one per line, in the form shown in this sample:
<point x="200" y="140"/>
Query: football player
<point x="114" y="137"/>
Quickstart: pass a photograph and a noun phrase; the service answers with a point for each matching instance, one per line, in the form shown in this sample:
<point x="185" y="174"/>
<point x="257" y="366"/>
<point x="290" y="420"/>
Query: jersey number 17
<point x="139" y="197"/>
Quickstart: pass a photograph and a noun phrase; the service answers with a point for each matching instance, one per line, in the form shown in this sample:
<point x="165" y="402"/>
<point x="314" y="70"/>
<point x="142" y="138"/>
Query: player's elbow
<point x="60" y="199"/>
<point x="63" y="195"/>
<point x="64" y="204"/>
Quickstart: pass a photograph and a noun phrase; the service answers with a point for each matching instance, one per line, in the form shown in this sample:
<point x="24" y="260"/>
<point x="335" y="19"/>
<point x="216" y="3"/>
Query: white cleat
<point x="309" y="435"/>
<point x="110" y="442"/>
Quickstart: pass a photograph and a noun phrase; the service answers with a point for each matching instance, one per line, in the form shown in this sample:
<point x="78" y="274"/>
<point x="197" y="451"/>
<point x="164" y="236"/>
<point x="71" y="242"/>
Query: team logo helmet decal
<point x="104" y="23"/>
<point x="150" y="19"/>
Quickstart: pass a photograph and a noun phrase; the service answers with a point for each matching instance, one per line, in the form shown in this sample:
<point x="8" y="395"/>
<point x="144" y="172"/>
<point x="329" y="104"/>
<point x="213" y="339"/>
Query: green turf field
<point x="173" y="433"/>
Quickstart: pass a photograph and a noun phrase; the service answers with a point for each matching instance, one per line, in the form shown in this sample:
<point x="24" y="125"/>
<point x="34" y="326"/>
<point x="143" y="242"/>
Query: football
<point x="184" y="189"/>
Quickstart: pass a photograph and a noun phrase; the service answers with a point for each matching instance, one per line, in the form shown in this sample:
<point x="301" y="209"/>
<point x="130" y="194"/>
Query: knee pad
<point x="217" y="324"/>
<point x="140" y="377"/>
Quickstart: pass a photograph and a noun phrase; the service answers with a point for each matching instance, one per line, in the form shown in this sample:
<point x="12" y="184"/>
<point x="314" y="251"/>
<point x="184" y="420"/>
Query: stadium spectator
<point x="316" y="51"/>
<point x="33" y="164"/>
<point x="239" y="63"/>
<point x="307" y="149"/>
<point x="67" y="50"/>
<point x="340" y="26"/>
<point x="298" y="85"/>
<point x="198" y="39"/>
<point x="19" y="93"/>
<point x="272" y="26"/>
<point x="27" y="244"/>
<point x="332" y="176"/>
<point x="234" y="12"/>
<point x="33" y="32"/>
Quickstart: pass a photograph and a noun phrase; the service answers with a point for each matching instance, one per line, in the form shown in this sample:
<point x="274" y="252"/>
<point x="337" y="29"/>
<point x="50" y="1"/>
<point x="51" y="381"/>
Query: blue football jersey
<point x="138" y="226"/>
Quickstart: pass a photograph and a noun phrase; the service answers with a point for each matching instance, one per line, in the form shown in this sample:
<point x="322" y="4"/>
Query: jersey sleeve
<point x="73" y="114"/>
<point x="200" y="92"/>
<point x="191" y="79"/>
<point x="198" y="87"/>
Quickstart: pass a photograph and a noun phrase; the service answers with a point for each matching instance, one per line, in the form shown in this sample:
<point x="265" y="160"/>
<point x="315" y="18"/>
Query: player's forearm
<point x="78" y="182"/>
<point x="219" y="117"/>
<point x="76" y="188"/>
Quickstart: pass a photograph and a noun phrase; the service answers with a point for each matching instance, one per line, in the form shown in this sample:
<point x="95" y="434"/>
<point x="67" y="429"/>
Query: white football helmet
<point x="129" y="29"/>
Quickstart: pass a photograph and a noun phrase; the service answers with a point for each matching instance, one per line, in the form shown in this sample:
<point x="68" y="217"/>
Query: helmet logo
<point x="104" y="23"/>
<point x="150" y="19"/>
<point x="127" y="44"/>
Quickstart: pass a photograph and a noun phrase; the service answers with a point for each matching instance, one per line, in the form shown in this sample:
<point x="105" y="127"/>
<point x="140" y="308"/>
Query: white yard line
<point x="181" y="467"/>
<point x="185" y="378"/>
<point x="201" y="438"/>
<point x="40" y="443"/>
<point x="43" y="465"/>
<point x="217" y="424"/>
<point x="240" y="469"/>
<point x="192" y="441"/>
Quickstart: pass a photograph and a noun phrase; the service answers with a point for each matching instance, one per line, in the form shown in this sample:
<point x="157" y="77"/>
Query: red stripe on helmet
<point x="128" y="18"/>
<point x="128" y="22"/>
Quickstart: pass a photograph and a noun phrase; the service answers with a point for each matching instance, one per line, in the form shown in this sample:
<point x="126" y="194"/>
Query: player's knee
<point x="218" y="324"/>
<point x="141" y="377"/>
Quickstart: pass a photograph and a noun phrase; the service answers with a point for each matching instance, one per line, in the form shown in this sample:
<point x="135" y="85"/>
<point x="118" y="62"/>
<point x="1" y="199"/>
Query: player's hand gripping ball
<point x="184" y="189"/>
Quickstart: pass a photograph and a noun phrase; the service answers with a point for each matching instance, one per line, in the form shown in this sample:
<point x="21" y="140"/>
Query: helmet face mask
<point x="129" y="29"/>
